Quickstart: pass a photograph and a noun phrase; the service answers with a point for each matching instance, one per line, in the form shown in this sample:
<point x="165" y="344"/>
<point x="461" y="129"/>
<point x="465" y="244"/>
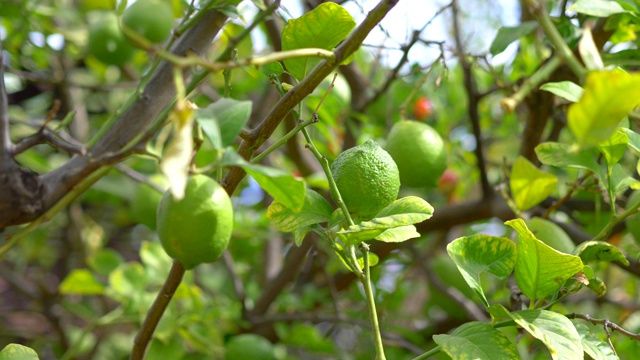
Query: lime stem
<point x="371" y="304"/>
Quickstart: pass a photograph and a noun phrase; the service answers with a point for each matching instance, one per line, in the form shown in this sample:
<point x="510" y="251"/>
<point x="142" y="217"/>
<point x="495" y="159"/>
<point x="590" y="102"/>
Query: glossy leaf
<point x="633" y="138"/>
<point x="477" y="254"/>
<point x="608" y="97"/>
<point x="477" y="340"/>
<point x="18" y="352"/>
<point x="402" y="212"/>
<point x="508" y="34"/>
<point x="316" y="209"/>
<point x="564" y="155"/>
<point x="614" y="147"/>
<point x="599" y="8"/>
<point x="594" y="251"/>
<point x="540" y="270"/>
<point x="553" y="329"/>
<point x="565" y="89"/>
<point x="530" y="185"/>
<point x="399" y="234"/>
<point x="281" y="185"/>
<point x="594" y="346"/>
<point x="81" y="282"/>
<point x="323" y="27"/>
<point x="223" y="120"/>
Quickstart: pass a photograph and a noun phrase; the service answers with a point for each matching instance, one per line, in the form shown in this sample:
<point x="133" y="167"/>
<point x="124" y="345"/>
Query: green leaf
<point x="608" y="97"/>
<point x="540" y="270"/>
<point x="594" y="346"/>
<point x="402" y="212"/>
<point x="564" y="155"/>
<point x="620" y="179"/>
<point x="564" y="89"/>
<point x="323" y="27"/>
<point x="634" y="139"/>
<point x="81" y="282"/>
<point x="530" y="185"/>
<point x="127" y="280"/>
<point x="477" y="340"/>
<point x="274" y="68"/>
<point x="599" y="8"/>
<point x="598" y="286"/>
<point x="316" y="209"/>
<point x="594" y="251"/>
<point x="398" y="234"/>
<point x="223" y="120"/>
<point x="104" y="261"/>
<point x="155" y="260"/>
<point x="373" y="260"/>
<point x="281" y="185"/>
<point x="18" y="352"/>
<point x="476" y="254"/>
<point x="614" y="147"/>
<point x="553" y="329"/>
<point x="507" y="34"/>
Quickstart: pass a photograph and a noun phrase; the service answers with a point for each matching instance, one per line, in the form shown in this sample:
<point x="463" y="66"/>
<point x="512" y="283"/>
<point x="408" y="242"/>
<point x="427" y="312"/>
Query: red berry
<point x="422" y="108"/>
<point x="448" y="181"/>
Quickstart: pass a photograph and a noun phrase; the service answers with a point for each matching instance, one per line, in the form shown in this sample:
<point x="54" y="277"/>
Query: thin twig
<point x="474" y="99"/>
<point x="157" y="310"/>
<point x="5" y="141"/>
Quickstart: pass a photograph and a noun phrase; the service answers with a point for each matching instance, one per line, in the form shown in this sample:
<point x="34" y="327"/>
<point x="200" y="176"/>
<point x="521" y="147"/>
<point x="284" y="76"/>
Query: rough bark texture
<point x="25" y="196"/>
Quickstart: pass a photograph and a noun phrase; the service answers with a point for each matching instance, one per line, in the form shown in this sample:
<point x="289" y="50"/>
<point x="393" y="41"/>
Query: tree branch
<point x="158" y="93"/>
<point x="304" y="88"/>
<point x="474" y="101"/>
<point x="157" y="309"/>
<point x="5" y="141"/>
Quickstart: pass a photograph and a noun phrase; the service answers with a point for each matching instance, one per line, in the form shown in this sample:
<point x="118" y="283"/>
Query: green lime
<point x="197" y="228"/>
<point x="551" y="234"/>
<point x="151" y="19"/>
<point x="249" y="347"/>
<point x="633" y="221"/>
<point x="106" y="41"/>
<point x="367" y="178"/>
<point x="419" y="151"/>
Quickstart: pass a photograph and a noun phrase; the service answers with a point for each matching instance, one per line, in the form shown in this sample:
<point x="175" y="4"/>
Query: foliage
<point x="527" y="249"/>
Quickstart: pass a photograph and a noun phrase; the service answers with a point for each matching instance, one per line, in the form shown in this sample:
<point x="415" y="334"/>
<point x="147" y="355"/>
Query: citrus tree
<point x="230" y="179"/>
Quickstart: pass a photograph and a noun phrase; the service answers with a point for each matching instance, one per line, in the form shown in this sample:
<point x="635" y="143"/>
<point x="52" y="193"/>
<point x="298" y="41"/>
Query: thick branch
<point x="158" y="93"/>
<point x="304" y="88"/>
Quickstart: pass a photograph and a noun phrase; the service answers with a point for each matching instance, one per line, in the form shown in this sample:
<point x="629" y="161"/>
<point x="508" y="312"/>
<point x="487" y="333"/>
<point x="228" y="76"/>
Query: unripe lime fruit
<point x="367" y="178"/>
<point x="633" y="221"/>
<point x="151" y="19"/>
<point x="106" y="41"/>
<point x="419" y="151"/>
<point x="551" y="234"/>
<point x="249" y="346"/>
<point x="197" y="228"/>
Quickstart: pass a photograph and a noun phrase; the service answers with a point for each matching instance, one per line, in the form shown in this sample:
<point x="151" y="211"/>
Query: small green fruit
<point x="419" y="151"/>
<point x="106" y="41"/>
<point x="151" y="19"/>
<point x="197" y="228"/>
<point x="367" y="178"/>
